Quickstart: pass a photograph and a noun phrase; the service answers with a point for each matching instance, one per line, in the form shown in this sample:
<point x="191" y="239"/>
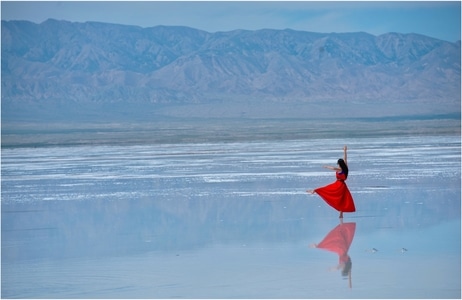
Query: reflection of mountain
<point x="131" y="225"/>
<point x="411" y="210"/>
<point x="102" y="227"/>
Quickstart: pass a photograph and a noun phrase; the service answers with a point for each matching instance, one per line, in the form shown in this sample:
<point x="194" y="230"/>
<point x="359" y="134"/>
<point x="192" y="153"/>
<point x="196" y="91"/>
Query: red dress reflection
<point x="337" y="194"/>
<point x="339" y="240"/>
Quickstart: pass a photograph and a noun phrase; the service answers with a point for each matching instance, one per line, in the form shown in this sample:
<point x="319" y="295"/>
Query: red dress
<point x="339" y="240"/>
<point x="337" y="194"/>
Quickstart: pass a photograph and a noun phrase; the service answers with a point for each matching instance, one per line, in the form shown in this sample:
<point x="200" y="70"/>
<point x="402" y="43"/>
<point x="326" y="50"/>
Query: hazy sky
<point x="436" y="19"/>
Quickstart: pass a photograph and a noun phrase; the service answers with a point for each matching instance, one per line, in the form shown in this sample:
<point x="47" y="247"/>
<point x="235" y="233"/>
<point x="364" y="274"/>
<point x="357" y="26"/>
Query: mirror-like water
<point x="232" y="220"/>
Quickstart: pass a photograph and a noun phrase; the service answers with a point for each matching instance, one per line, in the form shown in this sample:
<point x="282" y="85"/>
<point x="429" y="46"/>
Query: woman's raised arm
<point x="345" y="154"/>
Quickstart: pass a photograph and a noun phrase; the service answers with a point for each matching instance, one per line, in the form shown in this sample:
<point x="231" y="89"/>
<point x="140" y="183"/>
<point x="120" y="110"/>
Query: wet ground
<point x="232" y="220"/>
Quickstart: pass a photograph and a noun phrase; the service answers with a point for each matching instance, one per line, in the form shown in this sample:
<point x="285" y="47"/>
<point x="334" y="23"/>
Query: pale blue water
<point x="230" y="220"/>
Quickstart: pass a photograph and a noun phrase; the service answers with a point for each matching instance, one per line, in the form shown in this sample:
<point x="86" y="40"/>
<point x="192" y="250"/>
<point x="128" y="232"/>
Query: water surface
<point x="230" y="220"/>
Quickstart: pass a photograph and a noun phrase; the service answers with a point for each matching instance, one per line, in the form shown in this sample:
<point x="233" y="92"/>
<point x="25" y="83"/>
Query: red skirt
<point x="337" y="195"/>
<point x="339" y="239"/>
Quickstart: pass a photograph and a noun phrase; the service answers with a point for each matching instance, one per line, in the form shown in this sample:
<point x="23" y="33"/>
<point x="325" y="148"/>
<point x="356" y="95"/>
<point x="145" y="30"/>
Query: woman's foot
<point x="341" y="215"/>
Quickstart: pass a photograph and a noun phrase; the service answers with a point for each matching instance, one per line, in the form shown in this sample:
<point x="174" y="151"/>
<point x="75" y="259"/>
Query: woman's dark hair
<point x="343" y="166"/>
<point x="347" y="268"/>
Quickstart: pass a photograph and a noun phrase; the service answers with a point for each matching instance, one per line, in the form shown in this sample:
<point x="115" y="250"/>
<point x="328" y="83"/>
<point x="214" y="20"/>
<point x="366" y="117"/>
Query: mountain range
<point x="69" y="63"/>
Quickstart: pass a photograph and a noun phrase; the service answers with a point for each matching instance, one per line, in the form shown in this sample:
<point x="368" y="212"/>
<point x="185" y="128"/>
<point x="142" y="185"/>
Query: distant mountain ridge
<point x="99" y="62"/>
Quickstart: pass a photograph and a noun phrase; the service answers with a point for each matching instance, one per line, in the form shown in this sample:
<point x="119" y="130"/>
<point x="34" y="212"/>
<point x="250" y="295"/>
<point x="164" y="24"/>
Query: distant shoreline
<point x="176" y="131"/>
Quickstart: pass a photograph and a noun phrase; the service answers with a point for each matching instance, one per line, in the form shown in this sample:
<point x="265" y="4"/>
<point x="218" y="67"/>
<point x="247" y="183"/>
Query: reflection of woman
<point x="338" y="240"/>
<point x="337" y="194"/>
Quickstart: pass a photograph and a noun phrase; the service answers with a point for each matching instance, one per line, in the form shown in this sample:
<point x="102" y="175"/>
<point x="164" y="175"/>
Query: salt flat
<point x="230" y="220"/>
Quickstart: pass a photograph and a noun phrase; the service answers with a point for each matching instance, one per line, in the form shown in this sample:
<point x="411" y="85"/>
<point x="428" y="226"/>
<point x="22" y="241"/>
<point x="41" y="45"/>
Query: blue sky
<point x="436" y="19"/>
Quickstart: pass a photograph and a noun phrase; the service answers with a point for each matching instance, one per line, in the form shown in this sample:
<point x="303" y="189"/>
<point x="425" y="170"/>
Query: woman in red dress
<point x="337" y="193"/>
<point x="339" y="240"/>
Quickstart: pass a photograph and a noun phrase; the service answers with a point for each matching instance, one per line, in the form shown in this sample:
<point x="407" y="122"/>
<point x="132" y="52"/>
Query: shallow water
<point x="230" y="220"/>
